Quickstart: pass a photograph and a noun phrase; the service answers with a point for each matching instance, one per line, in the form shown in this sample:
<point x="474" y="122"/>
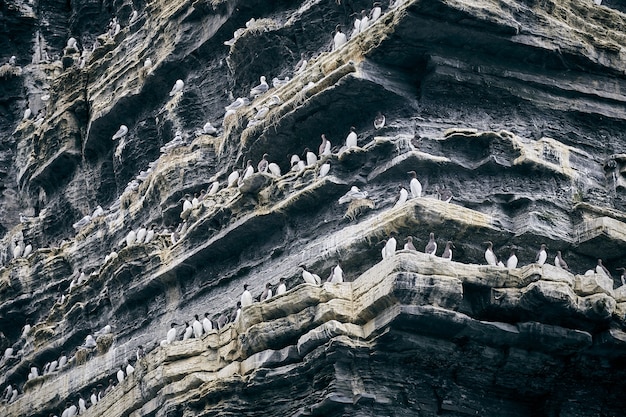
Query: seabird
<point x="447" y="252"/>
<point x="336" y="275"/>
<point x="141" y="234"/>
<point x="27" y="113"/>
<point x="339" y="39"/>
<point x="178" y="87"/>
<point x="273" y="101"/>
<point x="274" y="169"/>
<point x="249" y="170"/>
<point x="120" y="374"/>
<point x="431" y="246"/>
<point x="195" y="201"/>
<point x="188" y="331"/>
<point x="131" y="237"/>
<point x="187" y="204"/>
<point x="261" y="113"/>
<point x="171" y="333"/>
<point x="133" y="17"/>
<point x="259" y="89"/>
<point x="236" y="313"/>
<point x="34" y="372"/>
<point x="197" y="327"/>
<point x="267" y="292"/>
<point x="53" y="366"/>
<point x="222" y="320"/>
<point x="542" y="255"/>
<point x="150" y="234"/>
<point x="311" y="158"/>
<point x="490" y="256"/>
<point x="12" y="60"/>
<point x="147" y="63"/>
<point x="129" y="368"/>
<point x="206" y="323"/>
<point x="141" y="353"/>
<point x="324" y="170"/>
<point x="415" y="186"/>
<point x="262" y="165"/>
<point x="376" y="12"/>
<point x="121" y="132"/>
<point x="82" y="408"/>
<point x="27" y="250"/>
<point x="511" y="263"/>
<point x="18" y="250"/>
<point x="409" y="244"/>
<point x="379" y="121"/>
<point x="214" y="187"/>
<point x="364" y="21"/>
<point x="277" y="82"/>
<point x="353" y="194"/>
<point x="404" y="196"/>
<point x="325" y="146"/>
<point x="351" y="139"/>
<point x="601" y="269"/>
<point x="94" y="397"/>
<point x="246" y="296"/>
<point x="559" y="262"/>
<point x="26" y="329"/>
<point x="233" y="178"/>
<point x="90" y="341"/>
<point x="282" y="287"/>
<point x="240" y="102"/>
<point x="356" y="26"/>
<point x="444" y="194"/>
<point x="309" y="277"/>
<point x="209" y="129"/>
<point x="390" y="246"/>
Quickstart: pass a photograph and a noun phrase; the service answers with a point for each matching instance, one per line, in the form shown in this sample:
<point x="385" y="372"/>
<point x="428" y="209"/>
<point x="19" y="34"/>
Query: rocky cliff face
<point x="516" y="108"/>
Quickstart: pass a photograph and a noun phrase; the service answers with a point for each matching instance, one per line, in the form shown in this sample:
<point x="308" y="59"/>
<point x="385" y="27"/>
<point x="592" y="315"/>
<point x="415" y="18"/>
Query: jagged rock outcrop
<point x="514" y="107"/>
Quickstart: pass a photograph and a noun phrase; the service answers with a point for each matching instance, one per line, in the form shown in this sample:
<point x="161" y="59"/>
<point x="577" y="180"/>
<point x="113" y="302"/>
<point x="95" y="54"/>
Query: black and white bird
<point x="415" y="185"/>
<point x="542" y="255"/>
<point x="511" y="263"/>
<point x="431" y="246"/>
<point x="409" y="244"/>
<point x="490" y="255"/>
<point x="559" y="262"/>
<point x="379" y="121"/>
<point x="309" y="277"/>
<point x="601" y="269"/>
<point x="339" y="39"/>
<point x="246" y="297"/>
<point x="447" y="252"/>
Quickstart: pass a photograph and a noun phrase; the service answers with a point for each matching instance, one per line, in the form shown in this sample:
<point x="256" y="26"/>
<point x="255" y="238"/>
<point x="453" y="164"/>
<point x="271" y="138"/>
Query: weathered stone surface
<point x="516" y="107"/>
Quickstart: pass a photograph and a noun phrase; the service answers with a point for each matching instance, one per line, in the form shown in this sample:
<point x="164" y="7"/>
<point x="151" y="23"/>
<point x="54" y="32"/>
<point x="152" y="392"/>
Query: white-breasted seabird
<point x="559" y="262"/>
<point x="274" y="169"/>
<point x="129" y="368"/>
<point x="447" y="252"/>
<point x="187" y="204"/>
<point x="120" y="374"/>
<point x="249" y="170"/>
<point x="311" y="158"/>
<point x="18" y="249"/>
<point x="214" y="187"/>
<point x="351" y="139"/>
<point x="415" y="185"/>
<point x="324" y="170"/>
<point x="431" y="246"/>
<point x="131" y="237"/>
<point x="26" y="330"/>
<point x="601" y="269"/>
<point x="353" y="194"/>
<point x="142" y="232"/>
<point x="336" y="275"/>
<point x="339" y="39"/>
<point x="133" y="17"/>
<point x="261" y="112"/>
<point x="206" y="323"/>
<point x="53" y="366"/>
<point x="238" y="103"/>
<point x="404" y="196"/>
<point x="259" y="89"/>
<point x="195" y="201"/>
<point x="28" y="249"/>
<point x="197" y="327"/>
<point x="379" y="121"/>
<point x="365" y="21"/>
<point x="282" y="287"/>
<point x="188" y="331"/>
<point x="376" y="12"/>
<point x="542" y="255"/>
<point x="246" y="296"/>
<point x="94" y="396"/>
<point x="90" y="342"/>
<point x="177" y="88"/>
<point x="273" y="101"/>
<point x="511" y="263"/>
<point x="171" y="333"/>
<point x="490" y="255"/>
<point x="267" y="292"/>
<point x="82" y="406"/>
<point x="355" y="27"/>
<point x="325" y="146"/>
<point x="390" y="246"/>
<point x="409" y="244"/>
<point x="12" y="60"/>
<point x="27" y="113"/>
<point x="233" y="178"/>
<point x="309" y="277"/>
